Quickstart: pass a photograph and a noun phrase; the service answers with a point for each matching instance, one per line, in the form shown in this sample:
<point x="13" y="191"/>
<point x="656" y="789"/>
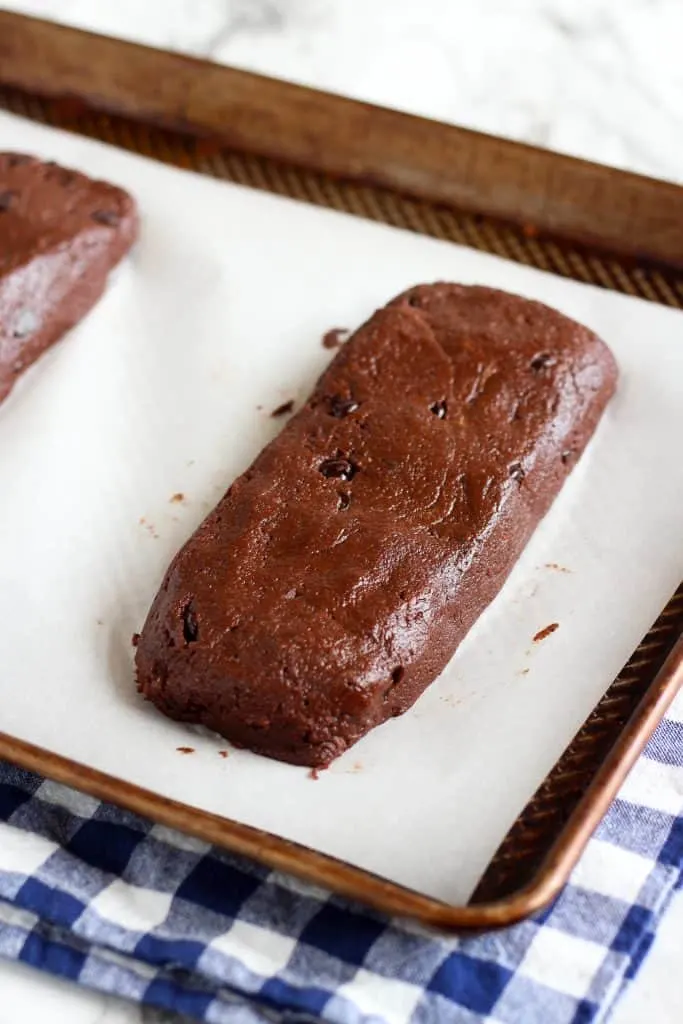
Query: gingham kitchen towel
<point x="109" y="900"/>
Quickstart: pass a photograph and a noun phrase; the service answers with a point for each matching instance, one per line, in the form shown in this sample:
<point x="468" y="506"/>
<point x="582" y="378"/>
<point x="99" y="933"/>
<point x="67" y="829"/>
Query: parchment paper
<point x="166" y="389"/>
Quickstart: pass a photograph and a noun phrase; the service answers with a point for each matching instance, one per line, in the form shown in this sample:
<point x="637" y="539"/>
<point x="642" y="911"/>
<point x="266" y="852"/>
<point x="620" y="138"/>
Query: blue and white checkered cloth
<point x="114" y="902"/>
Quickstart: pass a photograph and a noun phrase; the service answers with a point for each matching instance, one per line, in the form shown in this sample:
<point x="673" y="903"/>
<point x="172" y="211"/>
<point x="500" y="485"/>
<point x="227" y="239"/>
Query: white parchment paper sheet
<point x="166" y="389"/>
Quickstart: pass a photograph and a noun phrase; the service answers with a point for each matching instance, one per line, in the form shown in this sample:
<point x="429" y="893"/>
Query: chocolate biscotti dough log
<point x="338" y="575"/>
<point x="60" y="235"/>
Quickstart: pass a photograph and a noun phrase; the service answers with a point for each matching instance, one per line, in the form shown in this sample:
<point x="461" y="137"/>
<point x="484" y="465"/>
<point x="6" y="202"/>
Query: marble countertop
<point x="601" y="79"/>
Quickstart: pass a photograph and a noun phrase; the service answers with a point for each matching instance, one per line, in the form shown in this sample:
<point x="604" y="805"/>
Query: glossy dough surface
<point x="60" y="235"/>
<point x="337" y="576"/>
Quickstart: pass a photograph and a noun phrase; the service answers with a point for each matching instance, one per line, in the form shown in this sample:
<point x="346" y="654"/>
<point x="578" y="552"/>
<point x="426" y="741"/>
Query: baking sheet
<point x="166" y="390"/>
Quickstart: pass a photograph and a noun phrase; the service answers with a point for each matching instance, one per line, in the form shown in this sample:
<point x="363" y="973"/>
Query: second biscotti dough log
<point x="60" y="235"/>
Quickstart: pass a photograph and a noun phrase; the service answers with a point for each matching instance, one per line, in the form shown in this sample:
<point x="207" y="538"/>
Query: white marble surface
<point x="601" y="79"/>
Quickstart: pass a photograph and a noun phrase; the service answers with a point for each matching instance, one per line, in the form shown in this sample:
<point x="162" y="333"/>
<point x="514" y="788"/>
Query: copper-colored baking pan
<point x="580" y="220"/>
